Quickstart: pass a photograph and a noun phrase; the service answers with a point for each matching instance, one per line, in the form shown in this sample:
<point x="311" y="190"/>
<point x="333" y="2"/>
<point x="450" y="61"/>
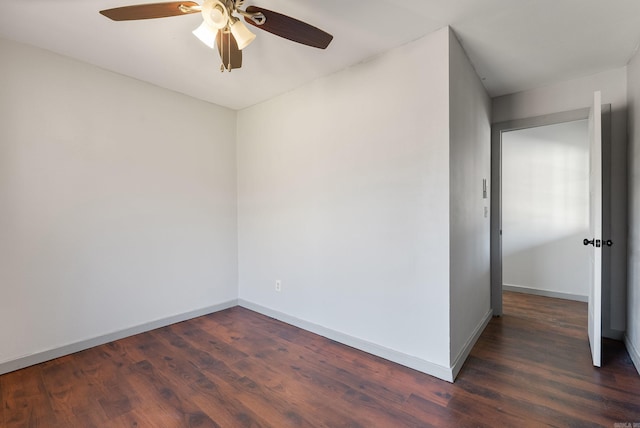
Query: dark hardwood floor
<point x="237" y="368"/>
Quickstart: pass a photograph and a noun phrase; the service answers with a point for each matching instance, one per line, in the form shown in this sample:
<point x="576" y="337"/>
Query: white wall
<point x="344" y="196"/>
<point x="577" y="94"/>
<point x="121" y="204"/>
<point x="545" y="209"/>
<point x="117" y="203"/>
<point x="633" y="298"/>
<point x="470" y="152"/>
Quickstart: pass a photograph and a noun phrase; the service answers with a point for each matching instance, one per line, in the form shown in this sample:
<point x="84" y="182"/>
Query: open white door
<point x="595" y="228"/>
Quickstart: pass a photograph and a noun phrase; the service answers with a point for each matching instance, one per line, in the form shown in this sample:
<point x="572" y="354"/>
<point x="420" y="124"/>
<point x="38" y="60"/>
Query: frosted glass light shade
<point x="215" y="14"/>
<point x="242" y="34"/>
<point x="206" y="35"/>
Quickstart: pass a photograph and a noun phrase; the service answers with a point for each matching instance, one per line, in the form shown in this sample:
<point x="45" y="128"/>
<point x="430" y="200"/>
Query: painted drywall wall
<point x="343" y="190"/>
<point x="469" y="229"/>
<point x="545" y="209"/>
<point x="576" y="94"/>
<point x="632" y="338"/>
<point x="117" y="202"/>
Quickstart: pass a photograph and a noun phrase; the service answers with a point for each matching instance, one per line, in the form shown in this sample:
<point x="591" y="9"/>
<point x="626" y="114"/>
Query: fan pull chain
<point x="229" y="39"/>
<point x="221" y="52"/>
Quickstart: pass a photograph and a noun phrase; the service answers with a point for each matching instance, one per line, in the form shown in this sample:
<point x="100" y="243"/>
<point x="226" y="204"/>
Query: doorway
<point x="498" y="131"/>
<point x="545" y="210"/>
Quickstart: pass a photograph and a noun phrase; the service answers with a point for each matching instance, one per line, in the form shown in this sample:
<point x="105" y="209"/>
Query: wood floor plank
<point x="149" y="365"/>
<point x="2" y="403"/>
<point x="238" y="383"/>
<point x="112" y="389"/>
<point x="212" y="396"/>
<point x="573" y="396"/>
<point x="24" y="400"/>
<point x="299" y="385"/>
<point x="354" y="368"/>
<point x="277" y="363"/>
<point x="147" y="416"/>
<point x="236" y="368"/>
<point x="527" y="398"/>
<point x="72" y="398"/>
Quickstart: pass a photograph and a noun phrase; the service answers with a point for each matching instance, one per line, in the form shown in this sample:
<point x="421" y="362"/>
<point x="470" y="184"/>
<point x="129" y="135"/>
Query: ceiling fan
<point x="222" y="27"/>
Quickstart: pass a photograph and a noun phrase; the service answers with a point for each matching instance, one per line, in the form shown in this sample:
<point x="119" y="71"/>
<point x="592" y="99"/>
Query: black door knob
<point x="597" y="242"/>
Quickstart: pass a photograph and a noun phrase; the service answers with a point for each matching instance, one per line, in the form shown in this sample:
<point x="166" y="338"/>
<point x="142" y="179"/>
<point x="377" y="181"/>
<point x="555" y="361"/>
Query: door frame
<point x="496" y="189"/>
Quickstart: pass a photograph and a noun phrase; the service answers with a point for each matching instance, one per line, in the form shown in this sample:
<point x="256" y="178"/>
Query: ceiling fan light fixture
<point x="206" y="35"/>
<point x="215" y="14"/>
<point x="241" y="33"/>
<point x="222" y="28"/>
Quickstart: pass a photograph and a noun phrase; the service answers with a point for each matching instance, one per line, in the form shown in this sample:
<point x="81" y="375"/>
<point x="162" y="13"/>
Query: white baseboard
<point x="445" y="373"/>
<point x="545" y="293"/>
<point x="50" y="354"/>
<point x="424" y="366"/>
<point x="633" y="352"/>
<point x="466" y="350"/>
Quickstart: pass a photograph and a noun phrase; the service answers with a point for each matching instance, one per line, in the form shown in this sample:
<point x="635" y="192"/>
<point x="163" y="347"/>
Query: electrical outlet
<point x="278" y="285"/>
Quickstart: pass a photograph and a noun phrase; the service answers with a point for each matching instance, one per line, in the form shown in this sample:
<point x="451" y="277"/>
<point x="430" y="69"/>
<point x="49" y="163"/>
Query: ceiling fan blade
<point x="228" y="49"/>
<point x="151" y="10"/>
<point x="290" y="28"/>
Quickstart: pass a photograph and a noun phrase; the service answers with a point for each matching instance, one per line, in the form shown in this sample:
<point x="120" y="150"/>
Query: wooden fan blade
<point x="151" y="10"/>
<point x="228" y="47"/>
<point x="290" y="28"/>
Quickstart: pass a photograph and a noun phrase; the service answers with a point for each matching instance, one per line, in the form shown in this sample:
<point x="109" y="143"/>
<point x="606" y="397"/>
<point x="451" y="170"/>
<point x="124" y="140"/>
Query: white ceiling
<point x="513" y="44"/>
